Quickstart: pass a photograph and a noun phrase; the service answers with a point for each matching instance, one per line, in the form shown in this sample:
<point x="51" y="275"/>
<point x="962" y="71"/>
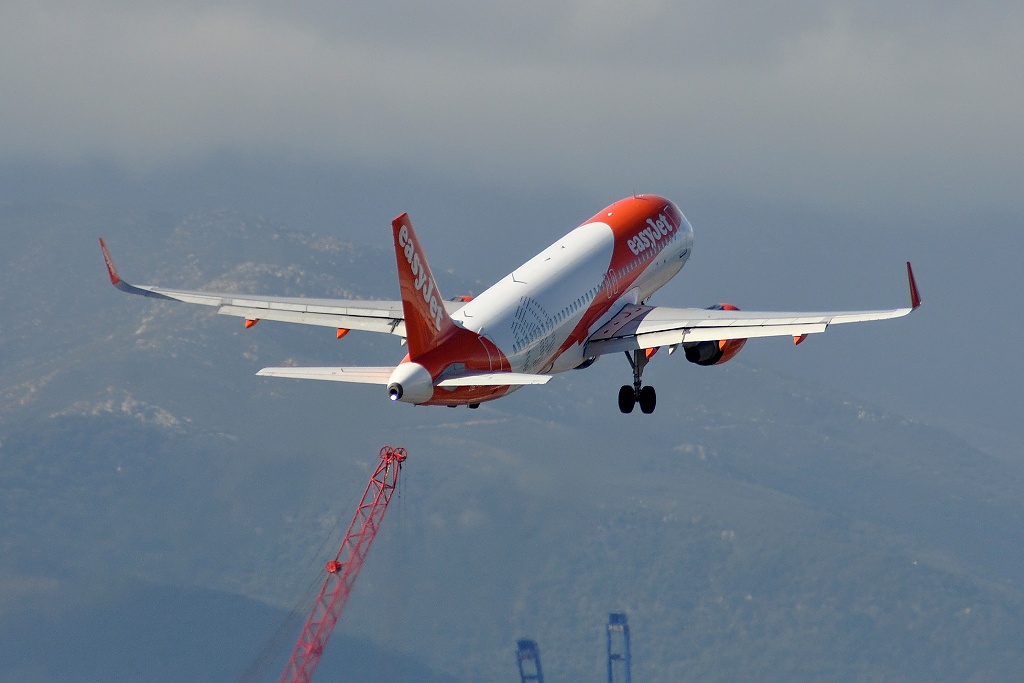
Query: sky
<point x="919" y="101"/>
<point x="814" y="145"/>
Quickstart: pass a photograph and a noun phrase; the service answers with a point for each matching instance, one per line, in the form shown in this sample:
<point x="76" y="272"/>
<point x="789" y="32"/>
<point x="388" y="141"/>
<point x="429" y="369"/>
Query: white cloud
<point x="801" y="99"/>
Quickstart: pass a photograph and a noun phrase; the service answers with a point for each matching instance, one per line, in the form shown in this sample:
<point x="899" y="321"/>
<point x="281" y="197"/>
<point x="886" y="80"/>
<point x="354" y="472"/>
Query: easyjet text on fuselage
<point x="651" y="234"/>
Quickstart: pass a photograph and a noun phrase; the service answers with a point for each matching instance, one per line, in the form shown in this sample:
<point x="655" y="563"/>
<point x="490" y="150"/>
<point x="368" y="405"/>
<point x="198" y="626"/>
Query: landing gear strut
<point x="629" y="396"/>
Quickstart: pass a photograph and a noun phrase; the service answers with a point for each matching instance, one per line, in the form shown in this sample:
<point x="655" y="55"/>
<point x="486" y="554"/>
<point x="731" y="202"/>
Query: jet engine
<point x="714" y="352"/>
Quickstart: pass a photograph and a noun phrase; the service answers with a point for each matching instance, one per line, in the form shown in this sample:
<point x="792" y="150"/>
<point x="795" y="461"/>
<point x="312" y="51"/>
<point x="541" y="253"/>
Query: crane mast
<point x="528" y="656"/>
<point x="344" y="568"/>
<point x="619" y="663"/>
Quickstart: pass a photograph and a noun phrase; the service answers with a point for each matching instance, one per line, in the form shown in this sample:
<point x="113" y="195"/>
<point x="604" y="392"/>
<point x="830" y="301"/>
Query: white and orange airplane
<point x="581" y="298"/>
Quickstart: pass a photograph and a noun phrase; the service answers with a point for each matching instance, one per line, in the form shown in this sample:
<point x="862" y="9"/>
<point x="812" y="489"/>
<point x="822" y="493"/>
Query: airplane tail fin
<point x="427" y="323"/>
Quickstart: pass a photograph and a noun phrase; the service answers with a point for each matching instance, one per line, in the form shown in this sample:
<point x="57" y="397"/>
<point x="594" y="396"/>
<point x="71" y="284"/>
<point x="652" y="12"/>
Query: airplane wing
<point x="646" y="327"/>
<point x="347" y="314"/>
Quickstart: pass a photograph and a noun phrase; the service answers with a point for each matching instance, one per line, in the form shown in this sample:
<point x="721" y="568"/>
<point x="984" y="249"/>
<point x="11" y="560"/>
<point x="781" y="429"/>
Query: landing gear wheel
<point x="647" y="399"/>
<point x="627" y="398"/>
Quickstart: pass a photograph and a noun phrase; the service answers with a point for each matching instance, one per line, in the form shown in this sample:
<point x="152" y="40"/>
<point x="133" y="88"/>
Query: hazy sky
<point x="861" y="133"/>
<point x="793" y="98"/>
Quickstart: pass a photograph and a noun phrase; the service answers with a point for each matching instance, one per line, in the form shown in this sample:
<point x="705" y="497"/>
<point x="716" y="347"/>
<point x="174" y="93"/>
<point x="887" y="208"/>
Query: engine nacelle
<point x="714" y="352"/>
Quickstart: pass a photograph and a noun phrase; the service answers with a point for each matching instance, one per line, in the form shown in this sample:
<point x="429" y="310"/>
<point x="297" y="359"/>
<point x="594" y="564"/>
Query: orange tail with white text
<point x="427" y="323"/>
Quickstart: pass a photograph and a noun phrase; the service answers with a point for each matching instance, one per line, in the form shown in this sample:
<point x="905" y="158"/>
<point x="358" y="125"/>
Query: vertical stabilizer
<point x="427" y="322"/>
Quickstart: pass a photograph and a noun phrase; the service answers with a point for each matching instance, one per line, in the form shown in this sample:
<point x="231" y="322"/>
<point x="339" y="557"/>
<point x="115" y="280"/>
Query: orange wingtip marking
<point x="111" y="270"/>
<point x="915" y="296"/>
<point x="249" y="322"/>
<point x="342" y="332"/>
<point x="650" y="352"/>
<point x="799" y="339"/>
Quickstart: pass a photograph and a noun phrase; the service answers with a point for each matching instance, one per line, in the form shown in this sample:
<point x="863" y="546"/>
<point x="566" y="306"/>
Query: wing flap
<point x="650" y="340"/>
<point x="645" y="327"/>
<point x="367" y="321"/>
<point x="353" y="314"/>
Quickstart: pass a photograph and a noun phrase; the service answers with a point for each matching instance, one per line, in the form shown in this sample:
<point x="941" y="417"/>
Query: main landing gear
<point x="629" y="396"/>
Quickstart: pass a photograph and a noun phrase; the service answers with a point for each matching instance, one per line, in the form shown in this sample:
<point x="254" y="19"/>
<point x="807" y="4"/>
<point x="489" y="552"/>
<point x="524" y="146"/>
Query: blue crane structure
<point x="619" y="662"/>
<point x="528" y="655"/>
<point x="618" y="648"/>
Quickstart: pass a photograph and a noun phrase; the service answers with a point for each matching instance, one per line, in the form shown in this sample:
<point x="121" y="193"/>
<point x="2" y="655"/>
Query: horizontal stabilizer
<point x="494" y="379"/>
<point x="358" y="375"/>
<point x="382" y="375"/>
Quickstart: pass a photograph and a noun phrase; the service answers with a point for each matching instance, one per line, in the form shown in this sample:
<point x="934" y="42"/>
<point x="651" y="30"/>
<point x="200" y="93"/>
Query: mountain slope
<point x="754" y="528"/>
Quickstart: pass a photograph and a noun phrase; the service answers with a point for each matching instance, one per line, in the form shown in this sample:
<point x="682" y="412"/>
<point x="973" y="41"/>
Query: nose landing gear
<point x="629" y="396"/>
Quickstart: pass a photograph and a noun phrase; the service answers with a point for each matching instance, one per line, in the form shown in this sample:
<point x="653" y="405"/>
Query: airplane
<point x="583" y="297"/>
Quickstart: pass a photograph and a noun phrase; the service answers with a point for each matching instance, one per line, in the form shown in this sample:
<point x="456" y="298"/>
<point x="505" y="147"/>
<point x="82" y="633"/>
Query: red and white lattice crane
<point x="343" y="569"/>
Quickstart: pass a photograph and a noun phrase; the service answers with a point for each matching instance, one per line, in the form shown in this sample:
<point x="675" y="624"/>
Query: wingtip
<point x="915" y="296"/>
<point x="115" y="279"/>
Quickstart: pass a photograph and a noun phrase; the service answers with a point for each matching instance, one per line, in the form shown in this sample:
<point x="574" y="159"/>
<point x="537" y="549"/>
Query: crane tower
<point x="344" y="568"/>
<point x="528" y="655"/>
<point x="618" y="649"/>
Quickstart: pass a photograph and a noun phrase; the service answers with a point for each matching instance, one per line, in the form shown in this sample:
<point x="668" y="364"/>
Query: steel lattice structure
<point x="344" y="568"/>
<point x="619" y="663"/>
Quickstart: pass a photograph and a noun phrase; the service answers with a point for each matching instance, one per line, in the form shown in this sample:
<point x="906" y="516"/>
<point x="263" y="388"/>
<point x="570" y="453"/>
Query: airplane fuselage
<point x="538" y="318"/>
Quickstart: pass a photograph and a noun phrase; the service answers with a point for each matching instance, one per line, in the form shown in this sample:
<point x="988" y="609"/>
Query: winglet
<point x="426" y="320"/>
<point x="915" y="297"/>
<point x="115" y="279"/>
<point x="120" y="284"/>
